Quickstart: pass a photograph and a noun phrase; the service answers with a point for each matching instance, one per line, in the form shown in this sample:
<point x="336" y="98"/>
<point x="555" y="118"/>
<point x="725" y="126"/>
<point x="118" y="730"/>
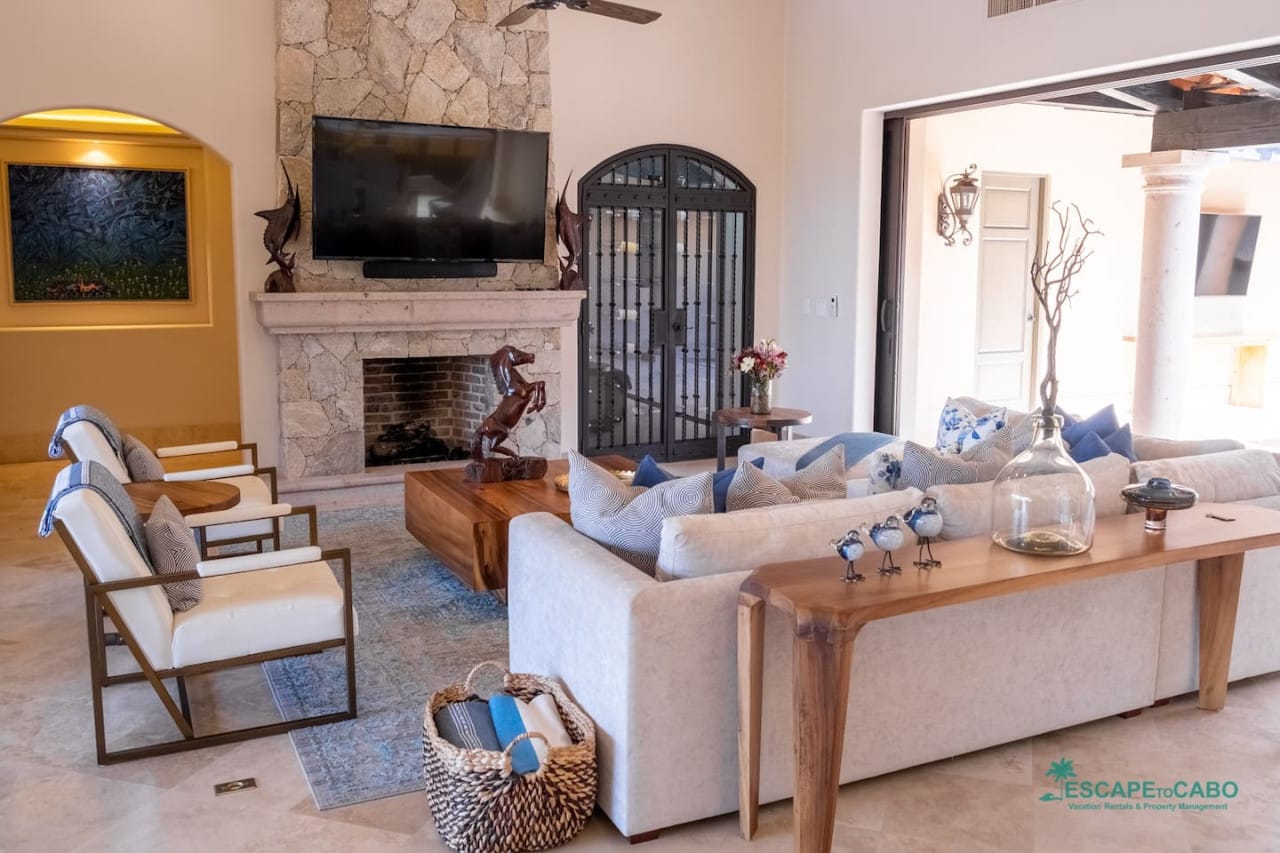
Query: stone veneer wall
<point x="427" y="61"/>
<point x="322" y="391"/>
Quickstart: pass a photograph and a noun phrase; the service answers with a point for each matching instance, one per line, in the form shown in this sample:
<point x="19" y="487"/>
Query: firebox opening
<point x="424" y="409"/>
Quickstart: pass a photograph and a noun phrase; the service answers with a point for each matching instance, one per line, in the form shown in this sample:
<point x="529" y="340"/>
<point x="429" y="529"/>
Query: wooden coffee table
<point x="465" y="524"/>
<point x="189" y="496"/>
<point x="827" y="614"/>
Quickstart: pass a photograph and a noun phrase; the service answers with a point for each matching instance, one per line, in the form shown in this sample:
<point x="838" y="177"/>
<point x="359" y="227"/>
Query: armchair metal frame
<point x="98" y="601"/>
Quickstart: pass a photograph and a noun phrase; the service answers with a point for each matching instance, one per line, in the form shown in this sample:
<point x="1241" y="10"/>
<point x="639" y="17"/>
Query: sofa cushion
<point x="173" y="550"/>
<point x="966" y="508"/>
<point x="628" y="519"/>
<point x="961" y="427"/>
<point x="700" y="545"/>
<point x="822" y="480"/>
<point x="885" y="472"/>
<point x="857" y="446"/>
<point x="1235" y="475"/>
<point x="1147" y="448"/>
<point x="1091" y="446"/>
<point x="650" y="473"/>
<point x="923" y="467"/>
<point x="1103" y="422"/>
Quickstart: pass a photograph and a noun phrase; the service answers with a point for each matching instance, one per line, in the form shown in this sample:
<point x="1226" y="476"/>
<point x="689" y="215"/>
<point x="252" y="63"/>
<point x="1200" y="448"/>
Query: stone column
<point x="1173" y="183"/>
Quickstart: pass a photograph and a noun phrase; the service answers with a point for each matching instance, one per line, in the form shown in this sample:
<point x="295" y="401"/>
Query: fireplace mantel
<point x="413" y="311"/>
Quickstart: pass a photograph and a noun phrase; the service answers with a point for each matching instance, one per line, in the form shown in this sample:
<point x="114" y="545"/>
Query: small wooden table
<point x="189" y="496"/>
<point x="827" y="614"/>
<point x="465" y="524"/>
<point x="778" y="421"/>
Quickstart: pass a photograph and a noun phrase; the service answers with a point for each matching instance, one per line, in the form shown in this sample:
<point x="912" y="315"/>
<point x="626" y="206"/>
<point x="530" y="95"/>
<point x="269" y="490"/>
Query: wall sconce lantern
<point x="956" y="203"/>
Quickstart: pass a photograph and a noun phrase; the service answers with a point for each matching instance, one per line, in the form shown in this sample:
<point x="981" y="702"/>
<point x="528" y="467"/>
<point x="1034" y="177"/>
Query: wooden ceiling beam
<point x="1255" y="122"/>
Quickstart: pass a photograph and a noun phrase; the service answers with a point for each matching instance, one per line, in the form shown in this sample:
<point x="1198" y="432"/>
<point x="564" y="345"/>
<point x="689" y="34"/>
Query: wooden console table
<point x="827" y="614"/>
<point x="465" y="524"/>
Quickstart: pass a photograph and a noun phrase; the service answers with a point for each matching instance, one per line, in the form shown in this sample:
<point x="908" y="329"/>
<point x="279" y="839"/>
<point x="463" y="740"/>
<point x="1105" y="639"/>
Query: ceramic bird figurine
<point x="850" y="548"/>
<point x="282" y="226"/>
<point x="889" y="536"/>
<point x="926" y="522"/>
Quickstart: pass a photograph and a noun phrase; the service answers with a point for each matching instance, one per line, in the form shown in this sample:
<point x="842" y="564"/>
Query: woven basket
<point x="480" y="806"/>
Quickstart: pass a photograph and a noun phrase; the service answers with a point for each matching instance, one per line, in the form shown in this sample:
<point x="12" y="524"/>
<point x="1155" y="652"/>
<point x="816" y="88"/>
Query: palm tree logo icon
<point x="1060" y="770"/>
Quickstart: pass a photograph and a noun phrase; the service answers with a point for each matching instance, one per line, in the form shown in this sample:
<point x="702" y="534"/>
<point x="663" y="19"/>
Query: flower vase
<point x="762" y="397"/>
<point x="1042" y="501"/>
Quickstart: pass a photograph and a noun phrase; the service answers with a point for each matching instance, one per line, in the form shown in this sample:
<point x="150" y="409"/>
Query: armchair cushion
<point x="253" y="612"/>
<point x="141" y="463"/>
<point x="173" y="551"/>
<point x="1236" y="475"/>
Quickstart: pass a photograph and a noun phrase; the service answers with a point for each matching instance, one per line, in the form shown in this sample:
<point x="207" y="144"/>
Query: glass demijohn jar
<point x="1042" y="501"/>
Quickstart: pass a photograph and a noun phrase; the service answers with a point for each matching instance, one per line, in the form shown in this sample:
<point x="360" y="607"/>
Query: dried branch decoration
<point x="1052" y="273"/>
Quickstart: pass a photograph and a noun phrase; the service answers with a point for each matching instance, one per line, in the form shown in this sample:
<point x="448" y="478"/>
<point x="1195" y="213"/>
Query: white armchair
<point x="254" y="608"/>
<point x="256" y="519"/>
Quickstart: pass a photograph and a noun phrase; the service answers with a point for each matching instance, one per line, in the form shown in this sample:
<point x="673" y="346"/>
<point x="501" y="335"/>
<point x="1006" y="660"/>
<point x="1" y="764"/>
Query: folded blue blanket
<point x="509" y="725"/>
<point x="467" y="725"/>
<point x="94" y="475"/>
<point x="75" y="414"/>
<point x="857" y="446"/>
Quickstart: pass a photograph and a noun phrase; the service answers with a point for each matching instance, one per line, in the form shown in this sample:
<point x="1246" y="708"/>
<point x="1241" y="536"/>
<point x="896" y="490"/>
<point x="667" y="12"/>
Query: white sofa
<point x="654" y="661"/>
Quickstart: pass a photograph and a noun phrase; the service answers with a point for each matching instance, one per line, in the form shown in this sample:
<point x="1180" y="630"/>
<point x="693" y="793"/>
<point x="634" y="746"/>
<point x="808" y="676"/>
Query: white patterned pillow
<point x="628" y="519"/>
<point x="960" y="427"/>
<point x="821" y="480"/>
<point x="173" y="549"/>
<point x="141" y="463"/>
<point x="885" y="472"/>
<point x="923" y="467"/>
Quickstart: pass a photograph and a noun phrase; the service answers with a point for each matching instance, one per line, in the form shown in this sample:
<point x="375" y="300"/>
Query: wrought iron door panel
<point x="668" y="270"/>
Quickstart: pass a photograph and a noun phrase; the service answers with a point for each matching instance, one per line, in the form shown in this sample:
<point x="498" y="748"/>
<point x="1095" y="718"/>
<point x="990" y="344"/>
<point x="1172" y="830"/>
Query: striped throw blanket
<point x="95" y="476"/>
<point x="95" y="416"/>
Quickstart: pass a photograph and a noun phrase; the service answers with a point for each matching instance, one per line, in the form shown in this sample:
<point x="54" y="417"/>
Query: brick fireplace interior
<point x="424" y="409"/>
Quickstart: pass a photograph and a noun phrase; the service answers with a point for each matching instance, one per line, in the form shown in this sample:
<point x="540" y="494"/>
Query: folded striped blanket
<point x="513" y="717"/>
<point x="94" y="475"/>
<point x="467" y="725"/>
<point x="75" y="414"/>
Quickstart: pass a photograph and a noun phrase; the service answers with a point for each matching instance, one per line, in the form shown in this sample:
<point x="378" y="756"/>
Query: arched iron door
<point x="668" y="260"/>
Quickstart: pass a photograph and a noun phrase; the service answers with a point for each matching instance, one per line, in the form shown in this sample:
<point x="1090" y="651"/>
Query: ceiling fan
<point x="621" y="11"/>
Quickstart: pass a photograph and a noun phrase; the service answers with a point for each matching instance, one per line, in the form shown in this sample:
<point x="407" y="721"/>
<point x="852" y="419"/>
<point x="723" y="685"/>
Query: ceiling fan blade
<point x="519" y="16"/>
<point x="621" y="11"/>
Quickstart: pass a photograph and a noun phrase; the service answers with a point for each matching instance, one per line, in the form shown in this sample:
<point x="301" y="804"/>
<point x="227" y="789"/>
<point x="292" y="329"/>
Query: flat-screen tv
<point x="1225" y="261"/>
<point x="419" y="192"/>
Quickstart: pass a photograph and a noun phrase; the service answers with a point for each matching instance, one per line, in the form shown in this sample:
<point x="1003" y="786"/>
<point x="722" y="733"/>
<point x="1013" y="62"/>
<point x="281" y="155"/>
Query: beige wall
<point x="167" y="372"/>
<point x="844" y="65"/>
<point x="708" y="74"/>
<point x="205" y="68"/>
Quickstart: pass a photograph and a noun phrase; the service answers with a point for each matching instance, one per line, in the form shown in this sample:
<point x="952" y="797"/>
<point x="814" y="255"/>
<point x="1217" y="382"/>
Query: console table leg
<point x="1218" y="584"/>
<point x="823" y="658"/>
<point x="750" y="678"/>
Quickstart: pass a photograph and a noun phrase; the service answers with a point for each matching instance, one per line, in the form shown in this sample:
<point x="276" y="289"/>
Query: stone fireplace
<point x="328" y="343"/>
<point x="424" y="409"/>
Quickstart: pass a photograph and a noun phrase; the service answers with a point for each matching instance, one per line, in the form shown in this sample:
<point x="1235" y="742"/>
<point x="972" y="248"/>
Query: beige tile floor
<point x="53" y="797"/>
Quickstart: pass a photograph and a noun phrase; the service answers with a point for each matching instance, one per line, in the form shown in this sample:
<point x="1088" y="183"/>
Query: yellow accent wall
<point x="166" y="372"/>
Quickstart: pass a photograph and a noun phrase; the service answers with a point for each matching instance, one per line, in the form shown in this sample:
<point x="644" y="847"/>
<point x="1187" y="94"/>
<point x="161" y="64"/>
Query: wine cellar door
<point x="668" y="260"/>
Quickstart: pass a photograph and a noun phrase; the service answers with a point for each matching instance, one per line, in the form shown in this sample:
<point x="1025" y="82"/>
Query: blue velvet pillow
<point x="1103" y="422"/>
<point x="650" y="473"/>
<point x="1091" y="446"/>
<point x="1121" y="441"/>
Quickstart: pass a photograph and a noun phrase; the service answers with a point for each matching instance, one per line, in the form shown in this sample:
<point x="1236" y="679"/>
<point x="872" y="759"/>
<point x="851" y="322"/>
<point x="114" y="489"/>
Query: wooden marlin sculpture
<point x="282" y="226"/>
<point x="569" y="232"/>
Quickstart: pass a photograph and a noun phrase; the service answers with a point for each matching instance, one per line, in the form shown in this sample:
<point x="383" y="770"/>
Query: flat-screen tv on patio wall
<point x="397" y="191"/>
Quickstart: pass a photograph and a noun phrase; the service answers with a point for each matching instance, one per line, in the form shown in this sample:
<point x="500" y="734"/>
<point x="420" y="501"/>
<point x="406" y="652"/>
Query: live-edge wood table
<point x="465" y="524"/>
<point x="188" y="496"/>
<point x="828" y="613"/>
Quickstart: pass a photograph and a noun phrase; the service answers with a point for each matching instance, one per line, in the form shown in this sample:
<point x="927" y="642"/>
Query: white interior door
<point x="1010" y="214"/>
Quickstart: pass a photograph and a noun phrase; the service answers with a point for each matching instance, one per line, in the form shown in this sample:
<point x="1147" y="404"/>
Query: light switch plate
<point x="248" y="784"/>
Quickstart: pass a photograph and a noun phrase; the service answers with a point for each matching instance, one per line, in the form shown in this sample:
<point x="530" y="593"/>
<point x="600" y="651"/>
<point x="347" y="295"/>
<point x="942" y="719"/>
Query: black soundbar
<point x="430" y="269"/>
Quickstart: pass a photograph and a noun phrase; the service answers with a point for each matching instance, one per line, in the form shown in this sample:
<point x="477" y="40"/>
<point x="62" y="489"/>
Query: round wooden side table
<point x="189" y="496"/>
<point x="779" y="422"/>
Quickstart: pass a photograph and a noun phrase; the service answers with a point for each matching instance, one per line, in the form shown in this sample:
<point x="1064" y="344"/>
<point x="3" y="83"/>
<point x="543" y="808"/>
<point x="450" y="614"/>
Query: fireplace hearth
<point x="424" y="409"/>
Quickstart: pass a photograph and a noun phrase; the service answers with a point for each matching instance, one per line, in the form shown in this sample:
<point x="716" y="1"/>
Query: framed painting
<point x="80" y="233"/>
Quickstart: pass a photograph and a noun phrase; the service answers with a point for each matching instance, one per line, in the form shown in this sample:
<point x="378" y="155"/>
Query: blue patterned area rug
<point x="419" y="630"/>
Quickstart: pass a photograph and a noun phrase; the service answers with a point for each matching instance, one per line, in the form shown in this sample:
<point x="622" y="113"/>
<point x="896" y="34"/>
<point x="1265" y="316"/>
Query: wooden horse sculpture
<point x="518" y="396"/>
